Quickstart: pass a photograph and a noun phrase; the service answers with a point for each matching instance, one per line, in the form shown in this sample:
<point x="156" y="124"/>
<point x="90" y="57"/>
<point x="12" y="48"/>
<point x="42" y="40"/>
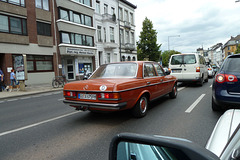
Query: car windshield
<point x="232" y="64"/>
<point x="183" y="59"/>
<point x="116" y="70"/>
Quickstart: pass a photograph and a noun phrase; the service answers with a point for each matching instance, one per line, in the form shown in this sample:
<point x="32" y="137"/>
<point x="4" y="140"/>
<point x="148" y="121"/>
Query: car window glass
<point x="149" y="70"/>
<point x="159" y="70"/>
<point x="232" y="65"/>
<point x="176" y="60"/>
<point x="189" y="59"/>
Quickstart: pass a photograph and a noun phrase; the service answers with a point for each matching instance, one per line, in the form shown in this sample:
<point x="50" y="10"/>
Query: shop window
<point x="43" y="29"/>
<point x="36" y="63"/>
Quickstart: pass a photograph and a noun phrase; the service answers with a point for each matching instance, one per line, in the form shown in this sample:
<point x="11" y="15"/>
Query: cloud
<point x="199" y="23"/>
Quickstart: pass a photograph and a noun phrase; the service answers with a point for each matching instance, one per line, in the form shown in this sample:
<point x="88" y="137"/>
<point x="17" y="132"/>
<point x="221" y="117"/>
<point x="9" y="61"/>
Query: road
<point x="42" y="127"/>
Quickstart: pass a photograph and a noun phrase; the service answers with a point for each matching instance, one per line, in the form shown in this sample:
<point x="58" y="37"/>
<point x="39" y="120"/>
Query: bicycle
<point x="59" y="80"/>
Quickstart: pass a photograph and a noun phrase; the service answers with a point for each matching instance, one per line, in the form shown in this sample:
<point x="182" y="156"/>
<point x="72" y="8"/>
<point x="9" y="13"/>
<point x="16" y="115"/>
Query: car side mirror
<point x="127" y="146"/>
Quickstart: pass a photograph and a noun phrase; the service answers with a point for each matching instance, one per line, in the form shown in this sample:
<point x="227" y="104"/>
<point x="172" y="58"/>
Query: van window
<point x="183" y="59"/>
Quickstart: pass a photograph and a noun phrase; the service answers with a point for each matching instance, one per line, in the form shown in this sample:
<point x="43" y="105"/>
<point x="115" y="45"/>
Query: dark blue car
<point x="226" y="85"/>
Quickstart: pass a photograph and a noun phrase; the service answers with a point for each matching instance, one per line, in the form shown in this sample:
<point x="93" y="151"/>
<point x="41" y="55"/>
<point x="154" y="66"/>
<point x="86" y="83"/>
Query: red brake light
<point x="198" y="69"/>
<point x="209" y="69"/>
<point x="69" y="94"/>
<point x="108" y="96"/>
<point x="221" y="78"/>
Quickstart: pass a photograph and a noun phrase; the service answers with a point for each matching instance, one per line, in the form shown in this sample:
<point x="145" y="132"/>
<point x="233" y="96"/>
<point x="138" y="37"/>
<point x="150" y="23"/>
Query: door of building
<point x="70" y="70"/>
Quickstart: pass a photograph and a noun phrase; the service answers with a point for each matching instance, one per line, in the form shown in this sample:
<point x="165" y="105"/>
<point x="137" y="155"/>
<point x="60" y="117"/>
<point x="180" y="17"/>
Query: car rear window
<point x="116" y="70"/>
<point x="232" y="64"/>
<point x="183" y="59"/>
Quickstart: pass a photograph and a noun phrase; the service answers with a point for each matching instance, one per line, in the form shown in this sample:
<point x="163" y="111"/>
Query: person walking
<point x="1" y="81"/>
<point x="13" y="79"/>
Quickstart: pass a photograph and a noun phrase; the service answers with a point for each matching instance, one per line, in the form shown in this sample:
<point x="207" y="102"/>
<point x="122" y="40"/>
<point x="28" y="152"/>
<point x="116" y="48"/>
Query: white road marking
<point x="195" y="104"/>
<point x="47" y="94"/>
<point x="10" y="100"/>
<point x="61" y="99"/>
<point x="1" y="101"/>
<point x="179" y="89"/>
<point x="36" y="124"/>
<point x="25" y="97"/>
<point x="211" y="86"/>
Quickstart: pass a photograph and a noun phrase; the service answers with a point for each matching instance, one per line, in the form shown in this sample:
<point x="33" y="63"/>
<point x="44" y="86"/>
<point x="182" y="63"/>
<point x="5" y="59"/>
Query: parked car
<point x="121" y="86"/>
<point x="210" y="71"/>
<point x="226" y="85"/>
<point x="189" y="67"/>
<point x="223" y="144"/>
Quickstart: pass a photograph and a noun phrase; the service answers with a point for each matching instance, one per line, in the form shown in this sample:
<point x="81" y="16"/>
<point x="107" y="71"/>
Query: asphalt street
<point x="42" y="127"/>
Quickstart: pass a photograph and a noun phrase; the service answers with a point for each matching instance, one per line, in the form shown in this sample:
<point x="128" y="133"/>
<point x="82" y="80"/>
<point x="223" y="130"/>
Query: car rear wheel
<point x="174" y="92"/>
<point x="215" y="107"/>
<point x="140" y="109"/>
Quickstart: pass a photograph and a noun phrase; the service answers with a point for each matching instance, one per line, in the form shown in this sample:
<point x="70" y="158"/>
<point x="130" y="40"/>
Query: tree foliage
<point x="147" y="47"/>
<point x="238" y="49"/>
<point x="166" y="55"/>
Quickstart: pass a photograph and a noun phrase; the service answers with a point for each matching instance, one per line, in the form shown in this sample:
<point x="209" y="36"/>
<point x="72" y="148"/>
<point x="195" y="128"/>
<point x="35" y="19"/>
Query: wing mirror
<point x="129" y="146"/>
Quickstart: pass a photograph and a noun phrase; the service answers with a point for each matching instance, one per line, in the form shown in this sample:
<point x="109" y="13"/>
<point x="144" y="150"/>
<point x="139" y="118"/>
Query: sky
<point x="189" y="24"/>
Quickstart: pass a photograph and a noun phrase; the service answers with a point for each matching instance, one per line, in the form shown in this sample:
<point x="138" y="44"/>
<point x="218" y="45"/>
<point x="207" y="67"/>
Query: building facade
<point x="27" y="32"/>
<point x="126" y="17"/>
<point x="231" y="45"/>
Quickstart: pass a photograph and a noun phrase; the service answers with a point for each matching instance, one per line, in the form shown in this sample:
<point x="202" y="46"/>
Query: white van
<point x="189" y="67"/>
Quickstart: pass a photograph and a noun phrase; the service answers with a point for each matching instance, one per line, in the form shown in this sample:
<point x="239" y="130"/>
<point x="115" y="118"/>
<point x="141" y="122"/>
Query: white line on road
<point x="1" y="101"/>
<point x="179" y="89"/>
<point x="61" y="99"/>
<point x="36" y="124"/>
<point x="195" y="104"/>
<point x="211" y="86"/>
<point x="10" y="100"/>
<point x="25" y="97"/>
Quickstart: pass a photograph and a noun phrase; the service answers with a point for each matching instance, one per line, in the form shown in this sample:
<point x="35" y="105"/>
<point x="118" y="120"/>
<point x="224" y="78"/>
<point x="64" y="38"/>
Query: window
<point x="86" y="2"/>
<point x="126" y="16"/>
<point x="159" y="70"/>
<point x="121" y="36"/>
<point x="149" y="70"/>
<point x="76" y="18"/>
<point x="98" y="7"/>
<point x="127" y="36"/>
<point x="112" y="10"/>
<point x="42" y="4"/>
<point x="105" y="34"/>
<point x="78" y="39"/>
<point x="229" y="47"/>
<point x="120" y="14"/>
<point x="13" y="25"/>
<point x="64" y="14"/>
<point x="16" y="2"/>
<point x="108" y="57"/>
<point x="131" y="18"/>
<point x="43" y="29"/>
<point x="112" y="35"/>
<point x="39" y="63"/>
<point x="88" y="21"/>
<point x="105" y="9"/>
<point x="99" y="33"/>
<point x="132" y="38"/>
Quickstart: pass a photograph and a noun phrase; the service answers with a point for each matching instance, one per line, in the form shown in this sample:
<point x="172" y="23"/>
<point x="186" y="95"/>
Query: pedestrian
<point x="2" y="81"/>
<point x="13" y="79"/>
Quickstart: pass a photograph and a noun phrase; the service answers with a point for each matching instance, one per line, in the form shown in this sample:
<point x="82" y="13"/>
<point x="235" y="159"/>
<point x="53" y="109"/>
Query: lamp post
<point x="168" y="40"/>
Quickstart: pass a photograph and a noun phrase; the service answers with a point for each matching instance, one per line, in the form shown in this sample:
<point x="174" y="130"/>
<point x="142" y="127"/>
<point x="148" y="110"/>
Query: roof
<point x="128" y="3"/>
<point x="237" y="38"/>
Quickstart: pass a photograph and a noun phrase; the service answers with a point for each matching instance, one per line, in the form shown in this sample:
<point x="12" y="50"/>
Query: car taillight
<point x="69" y="94"/>
<point x="114" y="96"/>
<point x="209" y="69"/>
<point x="221" y="78"/>
<point x="198" y="69"/>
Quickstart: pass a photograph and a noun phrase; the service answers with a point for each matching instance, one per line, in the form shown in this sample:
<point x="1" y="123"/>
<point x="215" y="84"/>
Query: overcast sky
<point x="198" y="22"/>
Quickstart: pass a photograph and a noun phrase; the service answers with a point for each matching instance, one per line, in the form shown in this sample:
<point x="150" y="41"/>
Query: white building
<point x="215" y="54"/>
<point x="114" y="20"/>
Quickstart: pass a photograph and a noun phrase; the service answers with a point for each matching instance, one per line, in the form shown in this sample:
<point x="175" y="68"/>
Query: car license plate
<point x="176" y="71"/>
<point x="87" y="96"/>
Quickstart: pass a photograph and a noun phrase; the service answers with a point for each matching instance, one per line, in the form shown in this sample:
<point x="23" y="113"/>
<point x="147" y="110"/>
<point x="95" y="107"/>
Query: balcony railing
<point x="127" y="24"/>
<point x="129" y="46"/>
<point x="109" y="17"/>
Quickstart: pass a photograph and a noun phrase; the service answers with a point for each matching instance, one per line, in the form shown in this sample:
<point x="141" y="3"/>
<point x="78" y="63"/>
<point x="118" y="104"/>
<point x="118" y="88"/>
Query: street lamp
<point x="168" y="40"/>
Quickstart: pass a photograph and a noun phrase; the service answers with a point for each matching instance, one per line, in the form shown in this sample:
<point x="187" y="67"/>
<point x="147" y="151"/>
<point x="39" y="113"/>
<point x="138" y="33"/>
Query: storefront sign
<point x="79" y="51"/>
<point x="19" y="63"/>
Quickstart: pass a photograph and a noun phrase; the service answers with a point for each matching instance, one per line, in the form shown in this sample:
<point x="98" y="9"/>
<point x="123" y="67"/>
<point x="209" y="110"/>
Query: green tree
<point x="238" y="49"/>
<point x="166" y="55"/>
<point x="147" y="47"/>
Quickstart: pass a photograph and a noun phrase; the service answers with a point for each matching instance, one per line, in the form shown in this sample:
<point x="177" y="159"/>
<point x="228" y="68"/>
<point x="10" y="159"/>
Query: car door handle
<point x="148" y="82"/>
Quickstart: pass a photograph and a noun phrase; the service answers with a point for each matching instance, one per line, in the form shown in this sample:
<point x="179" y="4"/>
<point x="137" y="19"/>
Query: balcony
<point x="127" y="25"/>
<point x="129" y="46"/>
<point x="110" y="45"/>
<point x="109" y="17"/>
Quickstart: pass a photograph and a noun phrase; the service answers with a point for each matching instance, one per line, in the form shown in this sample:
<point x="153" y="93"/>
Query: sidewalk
<point x="29" y="90"/>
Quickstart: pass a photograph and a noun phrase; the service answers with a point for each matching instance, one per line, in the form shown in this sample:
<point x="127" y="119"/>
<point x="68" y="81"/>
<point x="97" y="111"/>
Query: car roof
<point x="234" y="55"/>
